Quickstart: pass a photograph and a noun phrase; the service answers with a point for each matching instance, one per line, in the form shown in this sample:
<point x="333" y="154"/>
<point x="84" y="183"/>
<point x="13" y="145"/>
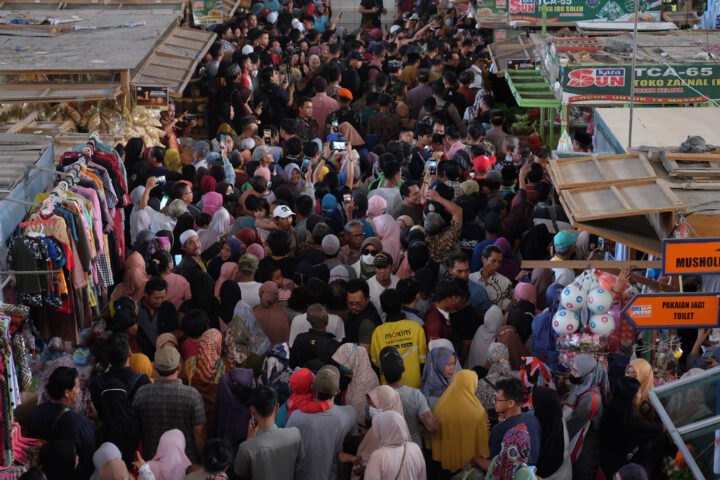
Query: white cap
<point x="187" y="235"/>
<point x="297" y="24"/>
<point x="414" y="16"/>
<point x="283" y="211"/>
<point x="394" y="29"/>
<point x="272" y="18"/>
<point x="247" y="50"/>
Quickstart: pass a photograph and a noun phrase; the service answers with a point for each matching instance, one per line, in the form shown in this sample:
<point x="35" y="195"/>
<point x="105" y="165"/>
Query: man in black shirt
<point x="155" y="315"/>
<point x="371" y="11"/>
<point x="316" y="347"/>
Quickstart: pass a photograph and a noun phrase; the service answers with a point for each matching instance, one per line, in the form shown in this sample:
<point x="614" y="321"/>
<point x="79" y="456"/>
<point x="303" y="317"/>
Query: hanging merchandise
<point x="65" y="254"/>
<point x="573" y="298"/>
<point x="565" y="322"/>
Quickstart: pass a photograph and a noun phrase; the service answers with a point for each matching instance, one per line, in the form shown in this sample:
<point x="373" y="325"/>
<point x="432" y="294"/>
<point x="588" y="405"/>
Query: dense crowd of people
<point x="329" y="285"/>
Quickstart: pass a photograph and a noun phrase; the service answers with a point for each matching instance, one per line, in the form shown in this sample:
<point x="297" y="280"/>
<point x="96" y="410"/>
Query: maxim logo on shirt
<point x="398" y="333"/>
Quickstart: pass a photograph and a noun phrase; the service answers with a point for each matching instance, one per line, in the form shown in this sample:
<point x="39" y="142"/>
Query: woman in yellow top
<point x="463" y="430"/>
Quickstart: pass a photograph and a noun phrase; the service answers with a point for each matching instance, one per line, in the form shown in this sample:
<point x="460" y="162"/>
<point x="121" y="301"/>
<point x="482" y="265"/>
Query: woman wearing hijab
<point x="228" y="271"/>
<point x="237" y="350"/>
<point x="397" y="457"/>
<point x="59" y="461"/>
<point x="232" y="405"/>
<point x="224" y="115"/>
<point x="511" y="462"/>
<point x="376" y="206"/>
<point x="380" y="399"/>
<point x="485" y="335"/>
<point x="295" y="184"/>
<point x="133" y="153"/>
<point x="170" y="461"/>
<point x="135" y="276"/>
<point x="554" y="462"/>
<point x="527" y="292"/>
<point x="230" y="251"/>
<point x="388" y="230"/>
<point x="230" y="295"/>
<point x="437" y="373"/>
<point x="463" y="431"/>
<point x="210" y="367"/>
<point x="276" y="371"/>
<point x="212" y="240"/>
<point x="354" y="360"/>
<point x="302" y="397"/>
<point x="335" y="217"/>
<point x="641" y="370"/>
<point x="247" y="237"/>
<point x="259" y="342"/>
<point x="510" y="336"/>
<point x="272" y="318"/>
<point x="107" y="451"/>
<point x="624" y="436"/>
<point x="499" y="368"/>
<point x="587" y="399"/>
<point x="544" y="336"/>
<point x="207" y="188"/>
<point x="202" y="290"/>
<point x="509" y="267"/>
<point x="541" y="279"/>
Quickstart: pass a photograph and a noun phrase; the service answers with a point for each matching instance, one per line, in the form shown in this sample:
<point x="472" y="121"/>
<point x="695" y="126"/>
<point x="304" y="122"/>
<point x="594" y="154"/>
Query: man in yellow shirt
<point x="407" y="336"/>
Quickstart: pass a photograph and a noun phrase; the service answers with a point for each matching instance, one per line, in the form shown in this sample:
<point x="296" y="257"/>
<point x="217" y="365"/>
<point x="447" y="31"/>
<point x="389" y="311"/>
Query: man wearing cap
<point x="167" y="404"/>
<point x="564" y="247"/>
<point x="382" y="280"/>
<point x="249" y="288"/>
<point x="323" y="433"/>
<point x="316" y="346"/>
<point x="343" y="114"/>
<point x="200" y="150"/>
<point x="283" y="218"/>
<point x="269" y="451"/>
<point x="191" y="262"/>
<point x="351" y="73"/>
<point x="331" y="249"/>
<point x="406" y="336"/>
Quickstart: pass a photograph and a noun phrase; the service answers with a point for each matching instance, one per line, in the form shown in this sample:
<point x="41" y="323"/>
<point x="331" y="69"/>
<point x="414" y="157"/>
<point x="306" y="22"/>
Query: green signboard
<point x="653" y="83"/>
<point x="566" y="10"/>
<point x="207" y="12"/>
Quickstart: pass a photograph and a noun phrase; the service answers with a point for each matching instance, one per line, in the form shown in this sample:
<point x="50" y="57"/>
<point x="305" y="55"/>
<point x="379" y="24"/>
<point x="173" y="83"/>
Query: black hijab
<point x="120" y="423"/>
<point x="230" y="295"/>
<point x="522" y="323"/>
<point x="133" y="152"/>
<point x="548" y="412"/>
<point x="184" y="222"/>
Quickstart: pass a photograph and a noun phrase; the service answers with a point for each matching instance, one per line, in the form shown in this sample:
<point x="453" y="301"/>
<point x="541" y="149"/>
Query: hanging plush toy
<point x="599" y="300"/>
<point x="602" y="324"/>
<point x="565" y="322"/>
<point x="573" y="298"/>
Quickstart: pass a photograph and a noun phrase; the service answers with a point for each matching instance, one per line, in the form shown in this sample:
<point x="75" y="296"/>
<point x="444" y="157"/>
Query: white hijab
<point x="484" y="336"/>
<point x="218" y="228"/>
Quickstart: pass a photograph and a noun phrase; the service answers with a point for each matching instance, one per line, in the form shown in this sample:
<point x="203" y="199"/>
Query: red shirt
<point x="436" y="326"/>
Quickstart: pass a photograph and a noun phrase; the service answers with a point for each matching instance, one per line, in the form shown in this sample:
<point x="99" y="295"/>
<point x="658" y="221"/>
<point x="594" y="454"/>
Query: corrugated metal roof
<point x="17" y="151"/>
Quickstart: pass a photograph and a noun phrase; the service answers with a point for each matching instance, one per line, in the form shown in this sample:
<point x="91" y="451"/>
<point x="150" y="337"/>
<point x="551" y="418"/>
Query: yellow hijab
<point x="141" y="364"/>
<point x="645" y="375"/>
<point x="463" y="431"/>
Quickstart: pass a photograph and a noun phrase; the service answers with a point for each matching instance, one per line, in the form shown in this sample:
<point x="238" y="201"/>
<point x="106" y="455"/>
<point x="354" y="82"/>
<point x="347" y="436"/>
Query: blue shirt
<point x="320" y="23"/>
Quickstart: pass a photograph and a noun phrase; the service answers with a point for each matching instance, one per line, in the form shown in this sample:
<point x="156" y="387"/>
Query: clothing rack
<point x="12" y="273"/>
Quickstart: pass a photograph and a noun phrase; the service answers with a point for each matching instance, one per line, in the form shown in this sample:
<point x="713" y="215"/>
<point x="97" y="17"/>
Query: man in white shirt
<point x="564" y="247"/>
<point x="249" y="288"/>
<point x="382" y="280"/>
<point x="497" y="286"/>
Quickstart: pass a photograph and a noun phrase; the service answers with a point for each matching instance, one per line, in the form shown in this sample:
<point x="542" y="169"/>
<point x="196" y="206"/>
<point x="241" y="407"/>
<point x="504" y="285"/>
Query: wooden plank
<point x="695" y="185"/>
<point x="22" y="123"/>
<point x="585" y="264"/>
<point x="693" y="157"/>
<point x="168" y="62"/>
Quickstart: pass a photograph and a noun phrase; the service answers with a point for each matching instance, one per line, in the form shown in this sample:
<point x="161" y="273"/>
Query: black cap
<point x="383" y="260"/>
<point x="497" y="115"/>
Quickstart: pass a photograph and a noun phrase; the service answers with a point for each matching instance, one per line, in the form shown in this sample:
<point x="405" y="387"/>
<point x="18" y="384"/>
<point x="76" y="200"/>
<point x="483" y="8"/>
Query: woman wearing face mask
<point x="624" y="436"/>
<point x="381" y="399"/>
<point x="587" y="398"/>
<point x="364" y="268"/>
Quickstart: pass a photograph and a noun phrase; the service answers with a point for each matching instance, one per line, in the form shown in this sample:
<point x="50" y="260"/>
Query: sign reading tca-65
<point x="653" y="83"/>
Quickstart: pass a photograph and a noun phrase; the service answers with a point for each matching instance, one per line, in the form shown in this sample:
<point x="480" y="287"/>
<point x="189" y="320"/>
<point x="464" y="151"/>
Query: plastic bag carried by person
<point x="565" y="144"/>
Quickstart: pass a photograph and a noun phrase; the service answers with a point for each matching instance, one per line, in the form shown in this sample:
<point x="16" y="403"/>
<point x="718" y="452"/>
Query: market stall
<point x="99" y="55"/>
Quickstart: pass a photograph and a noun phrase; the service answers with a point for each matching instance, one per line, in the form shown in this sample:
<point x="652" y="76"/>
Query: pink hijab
<point x="388" y="231"/>
<point x="526" y="291"/>
<point x="263" y="172"/>
<point x="257" y="250"/>
<point x="170" y="461"/>
<point x="133" y="284"/>
<point x="227" y="272"/>
<point x="376" y="206"/>
<point x="212" y="202"/>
